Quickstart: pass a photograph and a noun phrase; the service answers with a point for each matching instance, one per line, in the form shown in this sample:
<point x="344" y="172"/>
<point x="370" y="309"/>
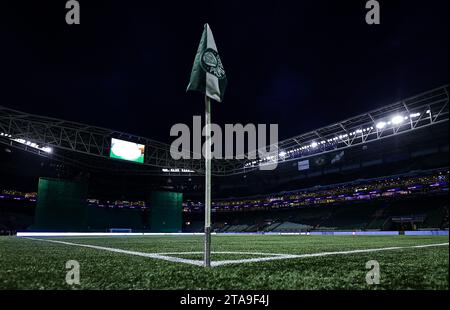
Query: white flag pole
<point x="207" y="254"/>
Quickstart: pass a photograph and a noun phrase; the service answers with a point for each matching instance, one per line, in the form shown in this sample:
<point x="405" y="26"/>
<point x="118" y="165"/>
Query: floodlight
<point x="397" y="120"/>
<point x="381" y="125"/>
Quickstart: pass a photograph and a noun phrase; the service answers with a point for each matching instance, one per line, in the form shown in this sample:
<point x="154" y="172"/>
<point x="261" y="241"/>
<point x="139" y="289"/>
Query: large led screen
<point x="126" y="150"/>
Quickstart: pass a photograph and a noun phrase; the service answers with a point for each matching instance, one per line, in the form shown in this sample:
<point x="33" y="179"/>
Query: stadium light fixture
<point x="314" y="144"/>
<point x="45" y="149"/>
<point x="397" y="120"/>
<point x="381" y="125"/>
<point x="177" y="170"/>
<point x="282" y="154"/>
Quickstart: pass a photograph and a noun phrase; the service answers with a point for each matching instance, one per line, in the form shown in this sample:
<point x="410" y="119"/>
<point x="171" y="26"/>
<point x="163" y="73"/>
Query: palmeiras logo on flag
<point x="211" y="63"/>
<point x="208" y="74"/>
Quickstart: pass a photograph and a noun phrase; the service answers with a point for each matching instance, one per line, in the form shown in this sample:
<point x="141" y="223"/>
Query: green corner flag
<point x="208" y="75"/>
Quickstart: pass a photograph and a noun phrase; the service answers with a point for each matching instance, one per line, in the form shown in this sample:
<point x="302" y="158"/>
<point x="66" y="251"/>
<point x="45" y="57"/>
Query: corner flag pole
<point x="208" y="76"/>
<point x="207" y="256"/>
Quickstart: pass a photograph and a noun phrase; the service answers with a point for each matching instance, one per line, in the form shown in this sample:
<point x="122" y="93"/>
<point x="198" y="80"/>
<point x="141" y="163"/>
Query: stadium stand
<point x="413" y="201"/>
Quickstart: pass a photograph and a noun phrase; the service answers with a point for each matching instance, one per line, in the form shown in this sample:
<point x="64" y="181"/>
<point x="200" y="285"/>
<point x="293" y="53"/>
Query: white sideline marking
<point x="150" y="255"/>
<point x="227" y="252"/>
<point x="269" y="256"/>
<point x="290" y="256"/>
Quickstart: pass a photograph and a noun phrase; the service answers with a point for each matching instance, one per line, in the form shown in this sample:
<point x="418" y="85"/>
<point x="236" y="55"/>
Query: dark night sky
<point x="301" y="64"/>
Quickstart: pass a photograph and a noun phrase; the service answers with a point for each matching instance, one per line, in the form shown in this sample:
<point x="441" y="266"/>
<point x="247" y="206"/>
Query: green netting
<point x="61" y="205"/>
<point x="166" y="208"/>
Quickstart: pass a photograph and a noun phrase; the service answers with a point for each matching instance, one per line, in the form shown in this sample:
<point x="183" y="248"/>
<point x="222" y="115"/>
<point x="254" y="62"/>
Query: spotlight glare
<point x="397" y="120"/>
<point x="381" y="125"/>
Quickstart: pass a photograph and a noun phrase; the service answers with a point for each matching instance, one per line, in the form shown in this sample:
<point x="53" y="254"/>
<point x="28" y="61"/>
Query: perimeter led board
<point x="126" y="150"/>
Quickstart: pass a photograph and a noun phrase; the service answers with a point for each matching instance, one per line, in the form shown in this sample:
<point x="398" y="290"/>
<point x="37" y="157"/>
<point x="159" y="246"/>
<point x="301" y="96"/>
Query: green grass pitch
<point x="31" y="264"/>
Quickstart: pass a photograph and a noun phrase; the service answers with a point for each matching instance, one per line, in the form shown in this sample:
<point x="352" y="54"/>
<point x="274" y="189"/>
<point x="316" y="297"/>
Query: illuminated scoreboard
<point x="126" y="150"/>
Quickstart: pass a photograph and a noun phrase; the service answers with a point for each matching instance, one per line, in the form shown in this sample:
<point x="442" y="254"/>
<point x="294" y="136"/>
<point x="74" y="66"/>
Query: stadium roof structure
<point x="89" y="146"/>
<point x="426" y="109"/>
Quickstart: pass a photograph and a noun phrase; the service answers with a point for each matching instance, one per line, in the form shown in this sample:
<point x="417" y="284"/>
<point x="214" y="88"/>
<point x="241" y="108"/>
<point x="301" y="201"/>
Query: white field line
<point x="214" y="252"/>
<point x="150" y="255"/>
<point x="269" y="256"/>
<point x="289" y="256"/>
